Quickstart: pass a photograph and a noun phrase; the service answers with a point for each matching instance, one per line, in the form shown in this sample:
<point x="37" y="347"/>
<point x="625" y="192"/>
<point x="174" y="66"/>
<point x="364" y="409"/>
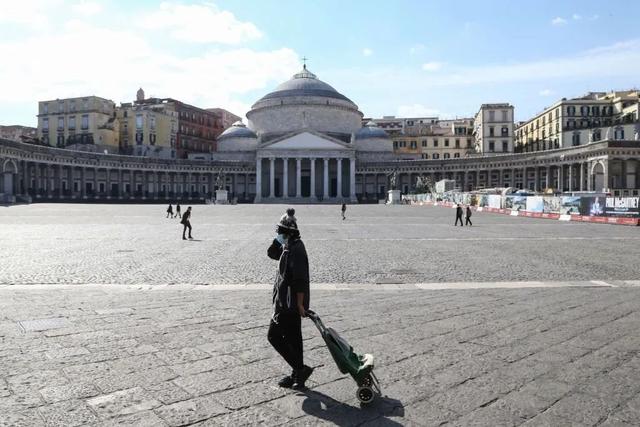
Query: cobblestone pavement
<point x="134" y="244"/>
<point x="198" y="355"/>
<point x="172" y="343"/>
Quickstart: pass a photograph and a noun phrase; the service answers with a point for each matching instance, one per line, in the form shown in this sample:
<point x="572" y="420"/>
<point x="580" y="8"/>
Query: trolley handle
<point x="316" y="320"/>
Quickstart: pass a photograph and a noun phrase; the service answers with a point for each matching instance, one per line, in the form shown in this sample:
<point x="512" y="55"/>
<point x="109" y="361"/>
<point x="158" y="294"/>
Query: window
<point x="72" y="105"/>
<point x="86" y="103"/>
<point x="457" y="143"/>
<point x="446" y="142"/>
<point x="436" y="155"/>
<point x="435" y="142"/>
<point x="491" y="131"/>
<point x="45" y="124"/>
<point x="492" y="146"/>
<point x="505" y="131"/>
<point x="60" y="142"/>
<point x="619" y="133"/>
<point x="505" y="116"/>
<point x="456" y="155"/>
<point x="596" y="135"/>
<point x="557" y="113"/>
<point x="424" y="142"/>
<point x="138" y="121"/>
<point x="395" y="144"/>
<point x="72" y="123"/>
<point x="575" y="138"/>
<point x="571" y="110"/>
<point x="85" y="121"/>
<point x="413" y="144"/>
<point x="60" y="106"/>
<point x="60" y="123"/>
<point x="409" y="122"/>
<point x="505" y="146"/>
<point x="446" y="155"/>
<point x="152" y="121"/>
<point x="492" y="116"/>
<point x="425" y="156"/>
<point x="595" y="110"/>
<point x="584" y="110"/>
<point x="45" y="108"/>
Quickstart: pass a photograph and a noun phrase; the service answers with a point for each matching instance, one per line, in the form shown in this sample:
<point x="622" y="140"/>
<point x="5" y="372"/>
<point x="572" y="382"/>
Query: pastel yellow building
<point x="85" y="123"/>
<point x="148" y="129"/>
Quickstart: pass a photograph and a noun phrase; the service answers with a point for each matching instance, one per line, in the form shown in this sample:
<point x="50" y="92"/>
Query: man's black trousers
<point x="458" y="218"/>
<point x="186" y="225"/>
<point x="286" y="337"/>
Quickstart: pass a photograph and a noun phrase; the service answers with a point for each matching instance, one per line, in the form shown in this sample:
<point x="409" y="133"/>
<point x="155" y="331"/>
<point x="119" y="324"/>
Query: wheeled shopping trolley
<point x="359" y="367"/>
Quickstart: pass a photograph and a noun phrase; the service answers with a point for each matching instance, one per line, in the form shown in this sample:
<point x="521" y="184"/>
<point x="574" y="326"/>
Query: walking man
<point x="458" y="215"/>
<point x="468" y="218"/>
<point x="170" y="211"/>
<point x="290" y="299"/>
<point x="187" y="223"/>
<point x="178" y="210"/>
<point x="344" y="209"/>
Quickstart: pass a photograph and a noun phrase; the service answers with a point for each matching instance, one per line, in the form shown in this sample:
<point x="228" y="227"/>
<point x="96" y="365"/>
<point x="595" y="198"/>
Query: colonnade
<point x="305" y="178"/>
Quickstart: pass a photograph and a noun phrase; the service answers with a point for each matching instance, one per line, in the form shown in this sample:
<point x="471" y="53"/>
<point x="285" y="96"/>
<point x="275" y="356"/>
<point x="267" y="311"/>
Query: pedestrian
<point x="468" y="218"/>
<point x="170" y="211"/>
<point x="344" y="209"/>
<point x="178" y="210"/>
<point x="459" y="215"/>
<point x="290" y="299"/>
<point x="187" y="223"/>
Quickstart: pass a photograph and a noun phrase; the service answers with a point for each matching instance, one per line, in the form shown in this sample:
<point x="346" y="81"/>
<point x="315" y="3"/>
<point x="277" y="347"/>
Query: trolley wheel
<point x="366" y="381"/>
<point x="365" y="394"/>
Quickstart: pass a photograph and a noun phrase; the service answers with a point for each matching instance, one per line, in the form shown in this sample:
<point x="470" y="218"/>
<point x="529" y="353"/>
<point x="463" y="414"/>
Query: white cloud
<point x="576" y="17"/>
<point x="200" y="23"/>
<point x="417" y="110"/>
<point x="210" y="78"/>
<point x="432" y="66"/>
<point x="416" y="48"/>
<point x="558" y="21"/>
<point x="87" y="8"/>
<point x="367" y="52"/>
<point x="32" y="14"/>
<point x="545" y="92"/>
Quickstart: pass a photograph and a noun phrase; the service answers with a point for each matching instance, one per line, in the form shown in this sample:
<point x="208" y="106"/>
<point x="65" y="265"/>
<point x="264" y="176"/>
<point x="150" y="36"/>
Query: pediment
<point x="307" y="141"/>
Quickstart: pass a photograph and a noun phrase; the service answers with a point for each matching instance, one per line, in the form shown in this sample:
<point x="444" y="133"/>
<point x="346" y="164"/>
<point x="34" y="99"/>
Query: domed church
<point x="306" y="138"/>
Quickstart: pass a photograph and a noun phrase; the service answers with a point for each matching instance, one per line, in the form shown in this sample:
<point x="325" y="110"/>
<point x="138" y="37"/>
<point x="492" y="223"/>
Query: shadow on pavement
<point x="342" y="414"/>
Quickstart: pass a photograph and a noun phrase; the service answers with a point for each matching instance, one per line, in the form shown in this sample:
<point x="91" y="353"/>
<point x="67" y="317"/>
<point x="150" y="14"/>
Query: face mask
<point x="281" y="239"/>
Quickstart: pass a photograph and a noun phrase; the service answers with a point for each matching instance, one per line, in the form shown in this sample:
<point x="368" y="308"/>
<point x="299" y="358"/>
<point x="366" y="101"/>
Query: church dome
<point x="371" y="130"/>
<point x="305" y="83"/>
<point x="237" y="130"/>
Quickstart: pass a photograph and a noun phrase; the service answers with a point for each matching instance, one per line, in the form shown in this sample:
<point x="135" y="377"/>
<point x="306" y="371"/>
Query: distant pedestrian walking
<point x="344" y="210"/>
<point x="170" y="211"/>
<point x="459" y="216"/>
<point x="178" y="210"/>
<point x="187" y="223"/>
<point x="468" y="219"/>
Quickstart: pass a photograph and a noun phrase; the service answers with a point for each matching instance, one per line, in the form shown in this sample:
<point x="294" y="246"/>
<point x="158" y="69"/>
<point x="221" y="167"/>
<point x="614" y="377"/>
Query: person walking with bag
<point x="290" y="299"/>
<point x="170" y="211"/>
<point x="185" y="221"/>
<point x="468" y="218"/>
<point x="178" y="210"/>
<point x="458" y="215"/>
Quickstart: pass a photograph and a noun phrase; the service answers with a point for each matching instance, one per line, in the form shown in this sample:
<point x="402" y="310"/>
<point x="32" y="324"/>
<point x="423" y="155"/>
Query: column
<point x="352" y="179"/>
<point x="560" y="183"/>
<point x="581" y="186"/>
<point x="524" y="178"/>
<point x="95" y="183"/>
<point x="83" y="182"/>
<point x="272" y="177"/>
<point x="258" y="197"/>
<point x="167" y="186"/>
<point x="339" y="186"/>
<point x="108" y="183"/>
<point x="606" y="165"/>
<point x="326" y="178"/>
<point x="132" y="183"/>
<point x="120" y="184"/>
<point x="245" y="192"/>
<point x="36" y="186"/>
<point x="570" y="177"/>
<point x="285" y="177"/>
<point x="298" y="177"/>
<point x="313" y="177"/>
<point x="513" y="178"/>
<point x="547" y="177"/>
<point x="156" y="184"/>
<point x="211" y="185"/>
<point x="536" y="185"/>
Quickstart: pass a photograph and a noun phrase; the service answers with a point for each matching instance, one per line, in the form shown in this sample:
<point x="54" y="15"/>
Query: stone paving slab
<point x="176" y="356"/>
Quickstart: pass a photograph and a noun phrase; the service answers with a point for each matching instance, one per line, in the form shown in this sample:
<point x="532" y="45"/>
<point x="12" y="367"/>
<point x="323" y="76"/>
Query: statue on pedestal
<point x="220" y="181"/>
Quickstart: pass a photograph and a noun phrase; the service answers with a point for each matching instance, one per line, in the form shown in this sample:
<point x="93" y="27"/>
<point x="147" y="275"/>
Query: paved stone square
<point x="108" y="318"/>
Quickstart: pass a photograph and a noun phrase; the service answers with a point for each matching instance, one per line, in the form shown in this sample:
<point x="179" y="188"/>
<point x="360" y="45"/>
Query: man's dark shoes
<point x="287" y="382"/>
<point x="301" y="377"/>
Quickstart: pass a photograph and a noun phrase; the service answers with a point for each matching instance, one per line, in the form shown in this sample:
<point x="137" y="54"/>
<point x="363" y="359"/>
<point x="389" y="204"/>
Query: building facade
<point x="493" y="129"/>
<point x="571" y="122"/>
<point x="85" y="124"/>
<point x="19" y="133"/>
<point x="305" y="143"/>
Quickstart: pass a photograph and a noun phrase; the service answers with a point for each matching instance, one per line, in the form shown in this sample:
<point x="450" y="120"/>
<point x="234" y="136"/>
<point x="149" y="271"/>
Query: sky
<point x="404" y="58"/>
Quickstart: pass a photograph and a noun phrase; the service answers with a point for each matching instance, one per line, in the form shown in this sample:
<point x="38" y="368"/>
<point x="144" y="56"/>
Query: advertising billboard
<point x="622" y="206"/>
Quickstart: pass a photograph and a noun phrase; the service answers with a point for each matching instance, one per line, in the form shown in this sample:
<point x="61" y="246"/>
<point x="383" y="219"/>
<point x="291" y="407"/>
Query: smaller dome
<point x="371" y="130"/>
<point x="237" y="130"/>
